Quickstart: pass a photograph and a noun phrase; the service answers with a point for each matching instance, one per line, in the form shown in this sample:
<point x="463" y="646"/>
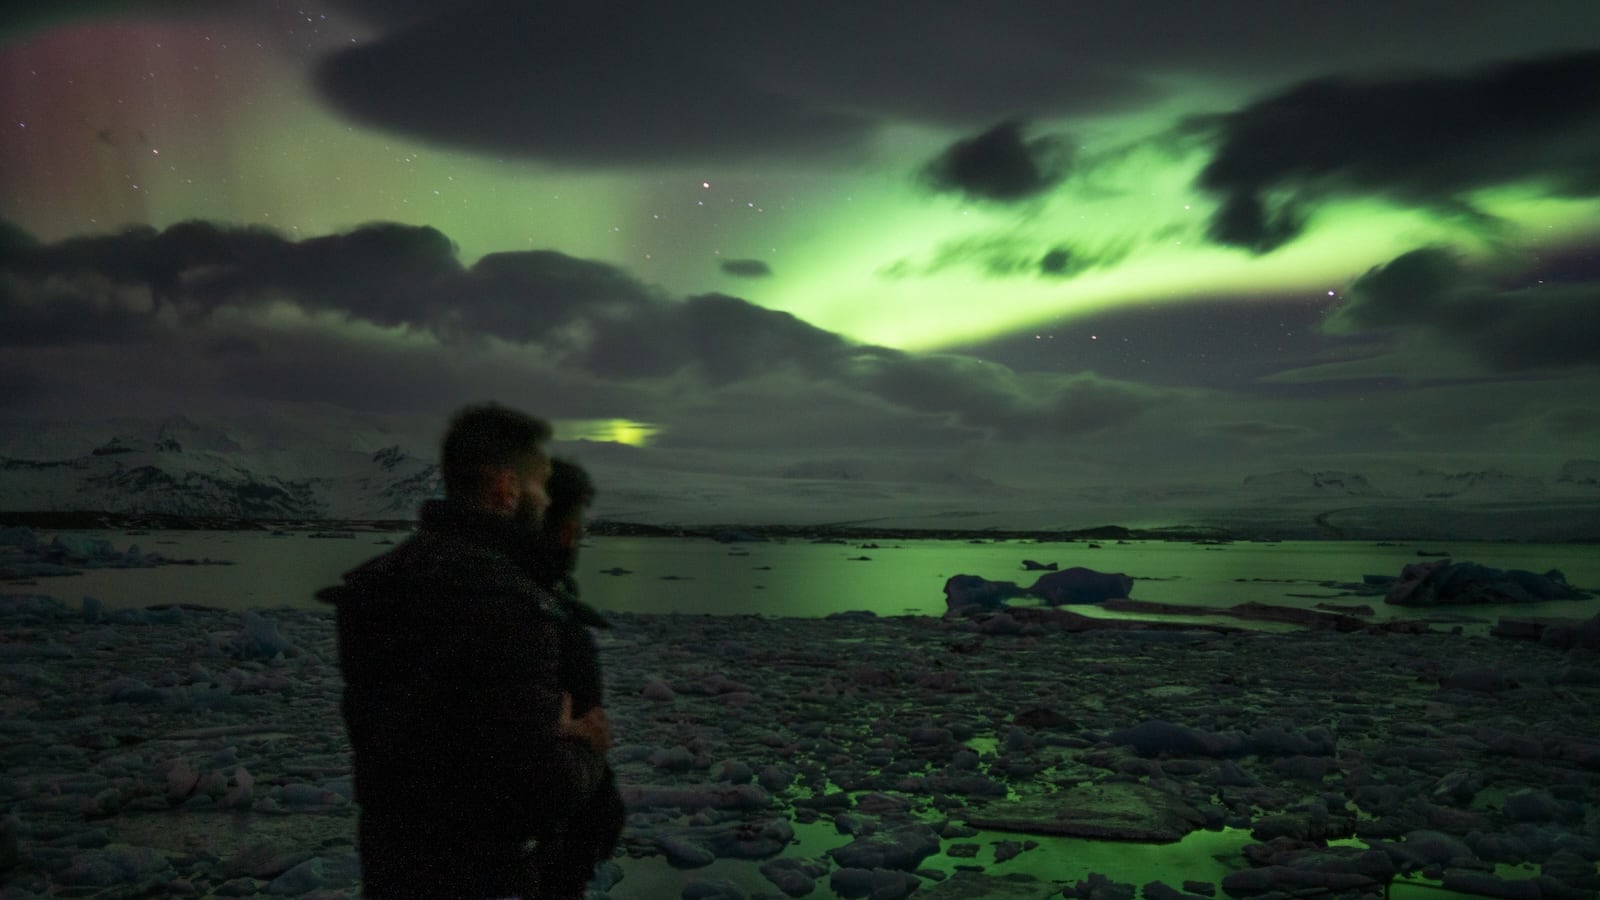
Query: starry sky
<point x="1031" y="243"/>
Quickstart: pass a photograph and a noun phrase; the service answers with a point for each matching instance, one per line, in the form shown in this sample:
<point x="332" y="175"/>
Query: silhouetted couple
<point x="473" y="692"/>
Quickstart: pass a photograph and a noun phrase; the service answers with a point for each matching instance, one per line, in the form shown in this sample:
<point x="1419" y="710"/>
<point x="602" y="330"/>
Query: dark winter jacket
<point x="451" y="653"/>
<point x="594" y="829"/>
<point x="579" y="672"/>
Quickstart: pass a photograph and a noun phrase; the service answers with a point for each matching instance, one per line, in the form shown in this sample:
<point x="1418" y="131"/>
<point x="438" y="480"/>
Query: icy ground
<point x="189" y="752"/>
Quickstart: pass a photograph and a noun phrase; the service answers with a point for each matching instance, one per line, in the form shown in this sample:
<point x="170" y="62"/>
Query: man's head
<point x="570" y="491"/>
<point x="493" y="457"/>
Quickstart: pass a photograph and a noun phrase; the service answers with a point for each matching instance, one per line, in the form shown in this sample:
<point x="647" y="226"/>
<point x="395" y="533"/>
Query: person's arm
<point x="548" y="762"/>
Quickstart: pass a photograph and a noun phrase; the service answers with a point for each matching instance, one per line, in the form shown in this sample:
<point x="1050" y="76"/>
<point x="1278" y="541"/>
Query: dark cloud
<point x="1420" y="286"/>
<point x="1431" y="292"/>
<point x="75" y="292"/>
<point x="731" y="337"/>
<point x="717" y="337"/>
<point x="520" y="296"/>
<point x="1008" y="256"/>
<point x="997" y="399"/>
<point x="780" y="414"/>
<point x="943" y="61"/>
<point x="81" y="311"/>
<point x="387" y="377"/>
<point x="1058" y="262"/>
<point x="640" y="82"/>
<point x="1243" y="220"/>
<point x="185" y="266"/>
<point x="745" y="268"/>
<point x="577" y="83"/>
<point x="999" y="165"/>
<point x="114" y="287"/>
<point x="724" y="341"/>
<point x="575" y="328"/>
<point x="1417" y="139"/>
<point x="384" y="273"/>
<point x="632" y="82"/>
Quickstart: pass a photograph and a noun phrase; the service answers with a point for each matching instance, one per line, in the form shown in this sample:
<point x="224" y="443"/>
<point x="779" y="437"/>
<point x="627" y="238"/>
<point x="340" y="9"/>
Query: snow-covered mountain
<point x="1390" y="483"/>
<point x="890" y="470"/>
<point x="1299" y="482"/>
<point x="206" y="473"/>
<point x="1487" y="484"/>
<point x="340" y="467"/>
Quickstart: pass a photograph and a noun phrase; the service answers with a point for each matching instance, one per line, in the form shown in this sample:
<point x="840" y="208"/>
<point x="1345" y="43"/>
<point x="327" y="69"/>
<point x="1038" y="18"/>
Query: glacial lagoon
<point x="799" y="578"/>
<point x="1434" y="759"/>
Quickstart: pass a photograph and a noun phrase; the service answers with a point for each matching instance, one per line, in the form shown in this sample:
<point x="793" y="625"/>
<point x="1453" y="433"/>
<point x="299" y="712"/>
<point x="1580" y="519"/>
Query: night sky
<point x="1037" y="242"/>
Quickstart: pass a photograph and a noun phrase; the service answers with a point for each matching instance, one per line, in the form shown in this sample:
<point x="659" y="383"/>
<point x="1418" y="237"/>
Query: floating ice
<point x="259" y="638"/>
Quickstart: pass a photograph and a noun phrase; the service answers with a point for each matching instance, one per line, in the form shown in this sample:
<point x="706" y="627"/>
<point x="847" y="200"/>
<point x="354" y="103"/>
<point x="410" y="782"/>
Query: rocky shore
<point x="191" y="752"/>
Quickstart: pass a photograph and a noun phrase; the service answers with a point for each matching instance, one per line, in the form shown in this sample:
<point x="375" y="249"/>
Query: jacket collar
<point x="479" y="526"/>
<point x="503" y="533"/>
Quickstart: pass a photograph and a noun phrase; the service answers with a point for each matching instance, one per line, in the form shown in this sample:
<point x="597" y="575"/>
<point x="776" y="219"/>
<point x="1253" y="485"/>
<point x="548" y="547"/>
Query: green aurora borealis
<point x="191" y="120"/>
<point x="1338" y="146"/>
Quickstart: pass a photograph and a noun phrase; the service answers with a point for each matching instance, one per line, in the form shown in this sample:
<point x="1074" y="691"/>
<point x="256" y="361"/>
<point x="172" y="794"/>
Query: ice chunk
<point x="259" y="638"/>
<point x="304" y="878"/>
<point x="242" y="791"/>
<point x="903" y="848"/>
<point x="879" y="884"/>
<point x="118" y="864"/>
<point x="302" y="794"/>
<point x="684" y="854"/>
<point x="182" y="780"/>
<point x="712" y="889"/>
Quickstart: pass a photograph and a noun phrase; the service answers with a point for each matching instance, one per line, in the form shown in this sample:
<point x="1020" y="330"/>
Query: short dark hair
<point x="570" y="490"/>
<point x="484" y="437"/>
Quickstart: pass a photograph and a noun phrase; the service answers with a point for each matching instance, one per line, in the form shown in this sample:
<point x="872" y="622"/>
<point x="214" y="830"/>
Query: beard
<point x="553" y="561"/>
<point x="549" y="558"/>
<point x="528" y="516"/>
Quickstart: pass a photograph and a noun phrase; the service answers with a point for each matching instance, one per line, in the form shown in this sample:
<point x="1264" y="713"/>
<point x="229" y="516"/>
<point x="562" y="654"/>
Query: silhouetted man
<point x="466" y="753"/>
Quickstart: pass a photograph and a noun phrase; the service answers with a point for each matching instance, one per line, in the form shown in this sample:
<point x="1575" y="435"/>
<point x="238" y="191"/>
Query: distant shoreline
<point x="92" y="520"/>
<point x="52" y="520"/>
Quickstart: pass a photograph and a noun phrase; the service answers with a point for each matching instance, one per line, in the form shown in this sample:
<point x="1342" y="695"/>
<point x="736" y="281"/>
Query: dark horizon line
<point x="79" y="520"/>
<point x="842" y="532"/>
